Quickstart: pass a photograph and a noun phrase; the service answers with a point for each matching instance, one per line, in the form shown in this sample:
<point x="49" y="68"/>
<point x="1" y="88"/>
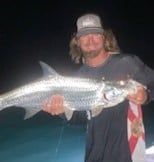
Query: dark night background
<point x="31" y="31"/>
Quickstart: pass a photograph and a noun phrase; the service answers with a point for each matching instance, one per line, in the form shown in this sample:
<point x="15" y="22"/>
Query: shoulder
<point x="123" y="56"/>
<point x="127" y="58"/>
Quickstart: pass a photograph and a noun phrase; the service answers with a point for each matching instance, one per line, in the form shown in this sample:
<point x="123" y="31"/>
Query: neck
<point x="98" y="60"/>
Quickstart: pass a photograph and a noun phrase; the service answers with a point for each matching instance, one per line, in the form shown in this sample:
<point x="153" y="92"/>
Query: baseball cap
<point x="89" y="23"/>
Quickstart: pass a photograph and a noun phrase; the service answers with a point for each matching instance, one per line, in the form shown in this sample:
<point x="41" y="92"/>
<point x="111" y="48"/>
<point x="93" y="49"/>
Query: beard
<point x="91" y="54"/>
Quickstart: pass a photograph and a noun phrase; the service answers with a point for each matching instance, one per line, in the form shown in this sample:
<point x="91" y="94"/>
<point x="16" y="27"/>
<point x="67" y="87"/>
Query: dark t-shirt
<point x="107" y="139"/>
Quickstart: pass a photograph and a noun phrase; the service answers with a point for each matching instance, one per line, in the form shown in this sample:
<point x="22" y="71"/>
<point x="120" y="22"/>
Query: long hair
<point x="110" y="45"/>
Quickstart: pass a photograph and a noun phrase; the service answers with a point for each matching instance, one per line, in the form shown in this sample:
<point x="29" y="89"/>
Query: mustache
<point x="91" y="54"/>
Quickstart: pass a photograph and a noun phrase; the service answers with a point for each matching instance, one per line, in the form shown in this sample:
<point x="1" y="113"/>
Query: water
<point x="41" y="138"/>
<point x="49" y="139"/>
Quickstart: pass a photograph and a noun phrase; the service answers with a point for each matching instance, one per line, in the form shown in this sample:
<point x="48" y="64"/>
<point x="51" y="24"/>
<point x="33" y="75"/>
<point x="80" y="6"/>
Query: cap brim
<point x="86" y="31"/>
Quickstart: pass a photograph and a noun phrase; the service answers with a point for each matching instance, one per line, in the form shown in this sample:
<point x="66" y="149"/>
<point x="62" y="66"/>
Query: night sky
<point x="40" y="30"/>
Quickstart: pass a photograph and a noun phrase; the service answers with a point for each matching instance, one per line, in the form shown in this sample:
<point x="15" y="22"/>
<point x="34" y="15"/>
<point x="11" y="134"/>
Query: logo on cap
<point x="88" y="23"/>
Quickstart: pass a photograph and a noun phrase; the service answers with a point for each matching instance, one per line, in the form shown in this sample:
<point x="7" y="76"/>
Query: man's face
<point x="91" y="45"/>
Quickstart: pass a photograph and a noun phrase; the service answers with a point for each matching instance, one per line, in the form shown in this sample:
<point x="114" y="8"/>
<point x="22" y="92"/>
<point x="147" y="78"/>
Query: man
<point x="115" y="134"/>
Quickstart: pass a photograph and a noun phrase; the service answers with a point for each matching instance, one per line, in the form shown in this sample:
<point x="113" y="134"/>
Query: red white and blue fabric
<point x="136" y="133"/>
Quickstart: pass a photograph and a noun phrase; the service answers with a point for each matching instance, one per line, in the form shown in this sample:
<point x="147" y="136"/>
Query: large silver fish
<point x="79" y="93"/>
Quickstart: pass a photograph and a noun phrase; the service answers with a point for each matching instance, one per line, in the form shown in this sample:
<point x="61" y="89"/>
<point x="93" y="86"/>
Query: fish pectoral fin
<point x="30" y="113"/>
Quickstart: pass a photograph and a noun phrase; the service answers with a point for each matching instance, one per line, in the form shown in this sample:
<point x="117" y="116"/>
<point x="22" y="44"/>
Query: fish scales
<point x="79" y="94"/>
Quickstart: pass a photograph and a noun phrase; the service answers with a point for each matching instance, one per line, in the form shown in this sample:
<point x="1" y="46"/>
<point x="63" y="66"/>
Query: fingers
<point x="139" y="97"/>
<point x="135" y="100"/>
<point x="55" y="105"/>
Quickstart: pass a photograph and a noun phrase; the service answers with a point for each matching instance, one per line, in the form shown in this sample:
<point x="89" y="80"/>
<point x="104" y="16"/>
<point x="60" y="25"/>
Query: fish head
<point x="121" y="88"/>
<point x="116" y="91"/>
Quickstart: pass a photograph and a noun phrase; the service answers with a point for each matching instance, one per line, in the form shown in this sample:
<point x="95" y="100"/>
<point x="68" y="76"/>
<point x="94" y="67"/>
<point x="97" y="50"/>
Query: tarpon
<point x="79" y="94"/>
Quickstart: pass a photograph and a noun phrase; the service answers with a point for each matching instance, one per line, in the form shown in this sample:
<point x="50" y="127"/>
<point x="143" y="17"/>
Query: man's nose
<point x="90" y="39"/>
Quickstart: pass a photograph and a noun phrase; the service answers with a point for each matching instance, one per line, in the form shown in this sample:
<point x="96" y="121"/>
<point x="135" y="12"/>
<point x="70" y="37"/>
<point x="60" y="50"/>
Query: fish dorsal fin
<point x="47" y="70"/>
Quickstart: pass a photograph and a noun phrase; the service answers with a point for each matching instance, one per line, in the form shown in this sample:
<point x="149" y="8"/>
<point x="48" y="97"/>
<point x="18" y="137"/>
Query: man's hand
<point x="140" y="97"/>
<point x="54" y="106"/>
